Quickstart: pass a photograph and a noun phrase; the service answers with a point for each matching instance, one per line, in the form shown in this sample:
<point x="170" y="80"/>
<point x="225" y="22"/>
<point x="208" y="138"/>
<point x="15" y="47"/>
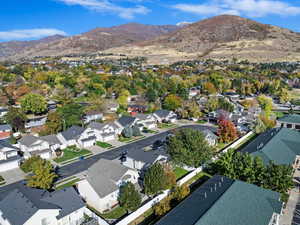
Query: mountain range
<point x="218" y="37"/>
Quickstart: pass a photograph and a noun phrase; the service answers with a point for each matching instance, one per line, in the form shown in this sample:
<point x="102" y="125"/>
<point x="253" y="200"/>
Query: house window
<point x="297" y="127"/>
<point x="289" y="125"/>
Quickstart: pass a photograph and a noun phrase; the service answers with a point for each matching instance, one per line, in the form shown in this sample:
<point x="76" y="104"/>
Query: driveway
<point x="11" y="176"/>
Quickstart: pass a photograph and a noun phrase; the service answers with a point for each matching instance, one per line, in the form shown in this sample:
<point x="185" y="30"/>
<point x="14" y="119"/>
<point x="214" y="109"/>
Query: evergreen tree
<point x="129" y="197"/>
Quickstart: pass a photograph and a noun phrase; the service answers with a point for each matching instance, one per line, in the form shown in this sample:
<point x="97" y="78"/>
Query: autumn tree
<point x="226" y="131"/>
<point x="266" y="104"/>
<point x="172" y="102"/>
<point x="209" y="88"/>
<point x="189" y="147"/>
<point x="129" y="197"/>
<point x="54" y="123"/>
<point x="162" y="207"/>
<point x="43" y="175"/>
<point x="33" y="103"/>
<point x="180" y="192"/>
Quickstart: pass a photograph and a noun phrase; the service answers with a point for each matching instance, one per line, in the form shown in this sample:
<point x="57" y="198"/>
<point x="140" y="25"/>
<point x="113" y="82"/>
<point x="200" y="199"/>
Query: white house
<point x="92" y="116"/>
<point x="28" y="206"/>
<point x="100" y="189"/>
<point x="146" y="120"/>
<point x="210" y="137"/>
<point x="77" y="136"/>
<point x="165" y="116"/>
<point x="139" y="159"/>
<point x="103" y="131"/>
<point x="31" y="145"/>
<point x="9" y="158"/>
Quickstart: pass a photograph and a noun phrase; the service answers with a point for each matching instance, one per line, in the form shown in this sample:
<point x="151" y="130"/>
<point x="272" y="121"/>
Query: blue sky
<point x="33" y="19"/>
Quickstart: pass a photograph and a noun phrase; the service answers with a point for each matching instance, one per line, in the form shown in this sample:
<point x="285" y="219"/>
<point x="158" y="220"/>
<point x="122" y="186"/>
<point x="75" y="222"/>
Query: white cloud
<point x="29" y="34"/>
<point x="251" y="8"/>
<point x="108" y="7"/>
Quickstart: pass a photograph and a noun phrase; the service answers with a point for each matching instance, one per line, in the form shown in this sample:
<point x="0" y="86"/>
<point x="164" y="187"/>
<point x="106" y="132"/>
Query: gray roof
<point x="291" y="118"/>
<point x="223" y="201"/>
<point x="103" y="176"/>
<point x="51" y="139"/>
<point x="142" y="116"/>
<point x="147" y="157"/>
<point x="162" y="113"/>
<point x="23" y="202"/>
<point x="72" y="133"/>
<point x="207" y="132"/>
<point x="99" y="126"/>
<point x="126" y="121"/>
<point x="5" y="127"/>
<point x="28" y="140"/>
<point x="6" y="144"/>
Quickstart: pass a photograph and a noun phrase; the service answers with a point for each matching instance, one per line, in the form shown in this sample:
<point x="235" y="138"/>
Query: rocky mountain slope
<point x="95" y="40"/>
<point x="219" y="37"/>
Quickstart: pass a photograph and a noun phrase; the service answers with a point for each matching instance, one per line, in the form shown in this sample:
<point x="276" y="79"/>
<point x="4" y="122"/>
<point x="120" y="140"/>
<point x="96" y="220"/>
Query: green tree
<point x="155" y="179"/>
<point x="43" y="175"/>
<point x="189" y="147"/>
<point x="16" y="118"/>
<point x="71" y="114"/>
<point x="33" y="103"/>
<point x="127" y="132"/>
<point x="266" y="104"/>
<point x="136" y="131"/>
<point x="129" y="197"/>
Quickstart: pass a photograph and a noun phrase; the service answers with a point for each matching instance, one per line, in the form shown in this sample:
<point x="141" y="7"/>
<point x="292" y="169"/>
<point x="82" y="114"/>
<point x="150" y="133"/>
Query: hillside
<point x="222" y="37"/>
<point x="95" y="40"/>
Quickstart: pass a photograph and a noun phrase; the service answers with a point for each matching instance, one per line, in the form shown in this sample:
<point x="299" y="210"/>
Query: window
<point x="289" y="125"/>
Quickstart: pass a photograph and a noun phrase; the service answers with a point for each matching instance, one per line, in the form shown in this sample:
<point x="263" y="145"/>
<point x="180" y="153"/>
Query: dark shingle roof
<point x="222" y="201"/>
<point x="5" y="127"/>
<point x="72" y="133"/>
<point x="162" y="113"/>
<point x="23" y="202"/>
<point x="126" y="121"/>
<point x="28" y="140"/>
<point x="278" y="145"/>
<point x="51" y="139"/>
<point x="147" y="157"/>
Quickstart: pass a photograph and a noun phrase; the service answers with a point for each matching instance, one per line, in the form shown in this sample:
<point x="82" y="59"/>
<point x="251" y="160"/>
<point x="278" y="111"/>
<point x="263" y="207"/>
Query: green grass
<point x="279" y="114"/>
<point x="180" y="172"/>
<point x="131" y="139"/>
<point x="71" y="153"/>
<point x="201" y="121"/>
<point x="65" y="180"/>
<point x="166" y="125"/>
<point x="68" y="184"/>
<point x="103" y="144"/>
<point x="148" y="131"/>
<point x="116" y="213"/>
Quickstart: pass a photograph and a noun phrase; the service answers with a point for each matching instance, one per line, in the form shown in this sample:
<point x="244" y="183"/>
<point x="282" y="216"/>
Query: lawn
<point x="148" y="131"/>
<point x="71" y="153"/>
<point x="279" y="114"/>
<point x="166" y="125"/>
<point x="103" y="144"/>
<point x="116" y="213"/>
<point x="68" y="184"/>
<point x="180" y="172"/>
<point x="131" y="139"/>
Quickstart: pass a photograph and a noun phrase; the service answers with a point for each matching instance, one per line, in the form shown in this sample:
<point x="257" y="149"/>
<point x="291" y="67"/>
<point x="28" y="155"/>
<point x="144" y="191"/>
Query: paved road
<point x="82" y="165"/>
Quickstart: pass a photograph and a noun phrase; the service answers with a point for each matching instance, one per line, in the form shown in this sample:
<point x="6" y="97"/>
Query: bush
<point x="28" y="164"/>
<point x="127" y="132"/>
<point x="136" y="131"/>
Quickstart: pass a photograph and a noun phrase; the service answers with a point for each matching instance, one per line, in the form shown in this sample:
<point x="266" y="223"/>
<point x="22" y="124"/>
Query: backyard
<point x="72" y="153"/>
<point x="180" y="172"/>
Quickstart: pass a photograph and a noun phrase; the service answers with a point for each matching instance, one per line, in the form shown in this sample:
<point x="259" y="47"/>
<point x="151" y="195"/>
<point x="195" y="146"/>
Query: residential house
<point x="291" y="121"/>
<point x="280" y="145"/>
<point x="77" y="136"/>
<point x="210" y="137"/>
<point x="35" y="122"/>
<point x="93" y="115"/>
<point x="31" y="145"/>
<point x="101" y="187"/>
<point x="28" y="206"/>
<point x="112" y="107"/>
<point x="193" y="92"/>
<point x="5" y="131"/>
<point x="125" y="121"/>
<point x="137" y="108"/>
<point x="53" y="141"/>
<point x="9" y="158"/>
<point x="141" y="159"/>
<point x="104" y="131"/>
<point x="146" y="120"/>
<point x="223" y="201"/>
<point x="165" y="116"/>
<point x="3" y="111"/>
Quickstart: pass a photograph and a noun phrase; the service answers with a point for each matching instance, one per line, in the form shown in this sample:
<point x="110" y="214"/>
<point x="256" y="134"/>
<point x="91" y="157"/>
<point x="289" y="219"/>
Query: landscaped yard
<point x="72" y="153"/>
<point x="2" y="181"/>
<point x="116" y="213"/>
<point x="180" y="172"/>
<point x="103" y="144"/>
<point x="68" y="184"/>
<point x="166" y="125"/>
<point x="131" y="139"/>
<point x="148" y="131"/>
